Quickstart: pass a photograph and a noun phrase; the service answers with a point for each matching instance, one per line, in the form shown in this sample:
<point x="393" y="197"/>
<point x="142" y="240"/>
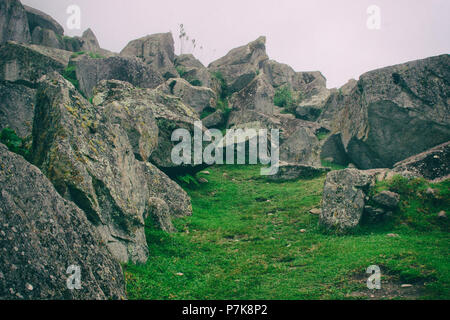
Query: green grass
<point x="238" y="245"/>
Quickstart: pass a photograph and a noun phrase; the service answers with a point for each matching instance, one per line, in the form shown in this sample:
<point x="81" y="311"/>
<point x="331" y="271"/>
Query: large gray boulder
<point x="91" y="162"/>
<point x="37" y="18"/>
<point x="140" y="113"/>
<point x="17" y="104"/>
<point x="157" y="50"/>
<point x="198" y="98"/>
<point x="241" y="65"/>
<point x="192" y="70"/>
<point x="46" y="37"/>
<point x="257" y="96"/>
<point x="26" y="63"/>
<point x="309" y="86"/>
<point x="169" y="111"/>
<point x="90" y="71"/>
<point x="42" y="235"/>
<point x="395" y="112"/>
<point x="344" y="199"/>
<point x="433" y="164"/>
<point x="13" y="22"/>
<point x="333" y="150"/>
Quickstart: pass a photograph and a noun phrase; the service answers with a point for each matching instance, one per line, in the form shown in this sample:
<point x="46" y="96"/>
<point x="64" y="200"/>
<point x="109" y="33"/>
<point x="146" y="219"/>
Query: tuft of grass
<point x="14" y="143"/>
<point x="243" y="241"/>
<point x="332" y="166"/>
<point x="70" y="74"/>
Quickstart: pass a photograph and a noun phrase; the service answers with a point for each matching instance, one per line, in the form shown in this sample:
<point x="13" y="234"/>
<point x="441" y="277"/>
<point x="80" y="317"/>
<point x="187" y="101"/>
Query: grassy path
<point x="244" y="242"/>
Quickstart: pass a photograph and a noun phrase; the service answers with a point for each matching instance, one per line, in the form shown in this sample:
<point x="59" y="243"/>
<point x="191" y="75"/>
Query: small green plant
<point x="188" y="180"/>
<point x="14" y="143"/>
<point x="196" y="83"/>
<point x="181" y="71"/>
<point x="95" y="55"/>
<point x="285" y="98"/>
<point x="70" y="74"/>
<point x="332" y="166"/>
<point x="224" y="90"/>
<point x="77" y="54"/>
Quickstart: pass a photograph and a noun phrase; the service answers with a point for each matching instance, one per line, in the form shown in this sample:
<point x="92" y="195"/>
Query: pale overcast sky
<point x="326" y="35"/>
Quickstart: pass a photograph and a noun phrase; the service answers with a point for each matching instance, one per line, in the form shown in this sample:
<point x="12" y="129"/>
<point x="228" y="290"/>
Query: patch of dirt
<point x="391" y="288"/>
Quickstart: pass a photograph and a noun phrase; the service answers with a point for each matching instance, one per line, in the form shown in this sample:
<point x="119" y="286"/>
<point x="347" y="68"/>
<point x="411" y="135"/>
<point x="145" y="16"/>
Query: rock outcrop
<point x="37" y="18"/>
<point x="87" y="154"/>
<point x="433" y="164"/>
<point x="193" y="71"/>
<point x="157" y="50"/>
<point x="13" y="22"/>
<point x="169" y="111"/>
<point x="198" y="98"/>
<point x="395" y="112"/>
<point x="17" y="103"/>
<point x="43" y="234"/>
<point x="90" y="71"/>
<point x="241" y="65"/>
<point x="293" y="172"/>
<point x="24" y="63"/>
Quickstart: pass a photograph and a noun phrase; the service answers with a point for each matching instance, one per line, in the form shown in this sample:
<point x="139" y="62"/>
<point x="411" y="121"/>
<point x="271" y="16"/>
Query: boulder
<point x="42" y="235"/>
<point x="13" y="22"/>
<point x="310" y="86"/>
<point x="17" y="104"/>
<point x="91" y="162"/>
<point x="157" y="50"/>
<point x="136" y="119"/>
<point x="343" y="200"/>
<point x="193" y="71"/>
<point x="198" y="98"/>
<point x="90" y="71"/>
<point x="257" y="95"/>
<point x="302" y="147"/>
<point x="383" y="118"/>
<point x="241" y="65"/>
<point x="386" y="199"/>
<point x="40" y="19"/>
<point x="47" y="38"/>
<point x="215" y="120"/>
<point x="169" y="111"/>
<point x="333" y="150"/>
<point x="293" y="172"/>
<point x="90" y="41"/>
<point x="23" y="63"/>
<point x="433" y="164"/>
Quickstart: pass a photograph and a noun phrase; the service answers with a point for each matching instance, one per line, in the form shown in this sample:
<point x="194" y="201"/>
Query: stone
<point x="383" y="117"/>
<point x="90" y="71"/>
<point x="157" y="50"/>
<point x="46" y="37"/>
<point x="169" y="111"/>
<point x="387" y="199"/>
<point x="91" y="162"/>
<point x="257" y="96"/>
<point x="50" y="234"/>
<point x="17" y="104"/>
<point x="433" y="164"/>
<point x="22" y="63"/>
<point x="373" y="215"/>
<point x="315" y="211"/>
<point x="13" y="22"/>
<point x="37" y="18"/>
<point x="442" y="214"/>
<point x="344" y="199"/>
<point x="198" y="98"/>
<point x="333" y="150"/>
<point x="293" y="172"/>
<point x="215" y="120"/>
<point x="192" y="70"/>
<point x="302" y="147"/>
<point x="241" y="65"/>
